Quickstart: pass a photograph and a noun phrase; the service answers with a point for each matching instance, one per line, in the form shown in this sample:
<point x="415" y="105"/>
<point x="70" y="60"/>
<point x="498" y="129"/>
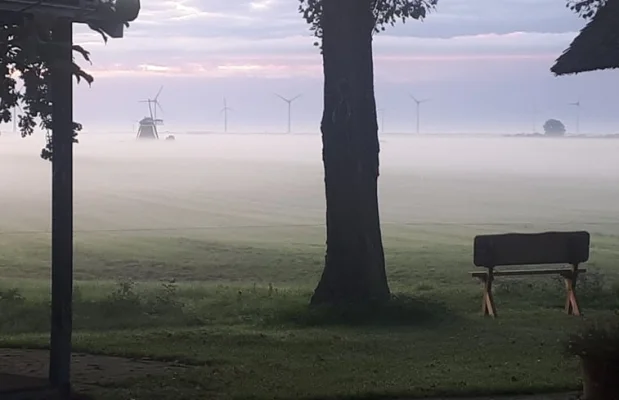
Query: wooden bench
<point x="512" y="249"/>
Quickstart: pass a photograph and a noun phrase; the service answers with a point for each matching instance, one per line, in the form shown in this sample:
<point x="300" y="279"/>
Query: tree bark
<point x="354" y="263"/>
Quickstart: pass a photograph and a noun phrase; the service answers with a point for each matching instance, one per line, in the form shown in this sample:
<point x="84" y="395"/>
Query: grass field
<point x="237" y="223"/>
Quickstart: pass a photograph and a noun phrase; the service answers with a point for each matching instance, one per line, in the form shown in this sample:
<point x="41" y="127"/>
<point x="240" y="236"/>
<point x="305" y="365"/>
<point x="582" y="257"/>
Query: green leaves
<point x="27" y="53"/>
<point x="386" y="12"/>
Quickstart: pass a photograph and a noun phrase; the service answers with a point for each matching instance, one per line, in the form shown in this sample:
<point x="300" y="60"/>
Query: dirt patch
<point x="87" y="370"/>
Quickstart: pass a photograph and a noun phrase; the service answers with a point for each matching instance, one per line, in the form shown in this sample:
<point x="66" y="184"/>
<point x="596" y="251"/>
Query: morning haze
<point x="270" y="180"/>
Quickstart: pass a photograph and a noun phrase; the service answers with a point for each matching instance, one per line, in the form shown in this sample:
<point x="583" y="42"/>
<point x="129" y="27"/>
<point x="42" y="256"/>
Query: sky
<point x="483" y="65"/>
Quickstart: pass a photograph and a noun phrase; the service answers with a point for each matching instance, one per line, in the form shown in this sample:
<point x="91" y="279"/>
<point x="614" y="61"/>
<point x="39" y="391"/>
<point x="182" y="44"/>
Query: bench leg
<point x="487" y="306"/>
<point x="571" y="303"/>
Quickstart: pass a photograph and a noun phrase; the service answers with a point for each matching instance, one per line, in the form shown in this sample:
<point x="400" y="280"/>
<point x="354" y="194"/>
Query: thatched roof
<point x="597" y="45"/>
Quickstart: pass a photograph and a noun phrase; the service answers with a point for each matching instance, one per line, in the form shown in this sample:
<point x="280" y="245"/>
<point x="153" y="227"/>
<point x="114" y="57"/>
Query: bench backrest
<point x="528" y="249"/>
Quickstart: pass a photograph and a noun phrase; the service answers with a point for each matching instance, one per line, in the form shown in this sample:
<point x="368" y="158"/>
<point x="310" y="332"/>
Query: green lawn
<point x="244" y="243"/>
<point x="239" y="313"/>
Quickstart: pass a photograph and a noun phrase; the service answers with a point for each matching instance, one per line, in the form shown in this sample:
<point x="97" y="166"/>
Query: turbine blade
<point x="414" y="98"/>
<point x="282" y="97"/>
<point x="296" y="97"/>
<point x="158" y="93"/>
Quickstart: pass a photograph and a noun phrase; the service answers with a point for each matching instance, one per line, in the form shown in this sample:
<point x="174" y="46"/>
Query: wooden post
<point x="487" y="306"/>
<point x="62" y="210"/>
<point x="571" y="303"/>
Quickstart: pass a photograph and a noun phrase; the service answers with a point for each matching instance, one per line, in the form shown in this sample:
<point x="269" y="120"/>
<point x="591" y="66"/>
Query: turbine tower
<point x="225" y="111"/>
<point x="289" y="101"/>
<point x="418" y="107"/>
<point x="577" y="105"/>
<point x="381" y="114"/>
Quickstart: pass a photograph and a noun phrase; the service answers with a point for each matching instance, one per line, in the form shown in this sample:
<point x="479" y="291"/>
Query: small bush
<point x="12" y="296"/>
<point x="123" y="300"/>
<point x="165" y="299"/>
<point x="125" y="292"/>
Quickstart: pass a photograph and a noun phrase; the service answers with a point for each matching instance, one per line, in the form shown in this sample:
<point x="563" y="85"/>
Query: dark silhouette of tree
<point x="27" y="53"/>
<point x="554" y="127"/>
<point x="354" y="269"/>
<point x="585" y="8"/>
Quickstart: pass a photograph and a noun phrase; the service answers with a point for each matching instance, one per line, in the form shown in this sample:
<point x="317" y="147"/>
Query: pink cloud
<point x="391" y="67"/>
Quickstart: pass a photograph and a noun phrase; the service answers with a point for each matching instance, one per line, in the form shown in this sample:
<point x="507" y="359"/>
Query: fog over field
<point x="272" y="180"/>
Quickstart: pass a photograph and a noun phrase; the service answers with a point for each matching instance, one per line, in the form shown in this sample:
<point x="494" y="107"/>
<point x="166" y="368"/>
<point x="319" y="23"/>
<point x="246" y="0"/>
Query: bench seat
<point x="525" y="272"/>
<point x="534" y="250"/>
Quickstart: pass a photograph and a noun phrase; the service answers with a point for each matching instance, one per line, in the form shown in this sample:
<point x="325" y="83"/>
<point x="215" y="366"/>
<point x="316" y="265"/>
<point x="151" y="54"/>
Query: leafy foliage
<point x="27" y="53"/>
<point x="386" y="12"/>
<point x="585" y="8"/>
<point x="554" y="127"/>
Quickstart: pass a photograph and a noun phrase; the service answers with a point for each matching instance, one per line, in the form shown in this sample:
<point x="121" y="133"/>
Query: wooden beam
<point x="487" y="304"/>
<point x="571" y="303"/>
<point x="62" y="210"/>
<point x="529" y="272"/>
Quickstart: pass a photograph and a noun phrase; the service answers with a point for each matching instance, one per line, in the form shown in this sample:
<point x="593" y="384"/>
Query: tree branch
<point x="27" y="53"/>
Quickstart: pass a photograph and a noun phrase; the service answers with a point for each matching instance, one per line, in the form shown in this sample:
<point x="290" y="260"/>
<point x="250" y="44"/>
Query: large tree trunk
<point x="355" y="263"/>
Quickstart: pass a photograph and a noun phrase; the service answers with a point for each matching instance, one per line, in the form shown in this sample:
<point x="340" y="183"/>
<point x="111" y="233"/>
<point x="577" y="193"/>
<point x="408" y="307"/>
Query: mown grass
<point x="263" y="341"/>
<point x="238" y="311"/>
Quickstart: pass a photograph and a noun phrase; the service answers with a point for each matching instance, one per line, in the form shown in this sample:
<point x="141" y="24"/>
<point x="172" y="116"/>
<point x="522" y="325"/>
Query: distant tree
<point x="354" y="269"/>
<point x="554" y="127"/>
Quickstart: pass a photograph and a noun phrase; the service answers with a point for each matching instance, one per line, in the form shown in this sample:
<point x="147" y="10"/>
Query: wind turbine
<point x="153" y="104"/>
<point x="418" y="106"/>
<point x="577" y="105"/>
<point x="289" y="101"/>
<point x="381" y="113"/>
<point x="225" y="111"/>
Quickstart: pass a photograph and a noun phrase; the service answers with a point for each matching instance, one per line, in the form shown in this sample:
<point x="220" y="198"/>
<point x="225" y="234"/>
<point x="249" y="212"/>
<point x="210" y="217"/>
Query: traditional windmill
<point x="148" y="125"/>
